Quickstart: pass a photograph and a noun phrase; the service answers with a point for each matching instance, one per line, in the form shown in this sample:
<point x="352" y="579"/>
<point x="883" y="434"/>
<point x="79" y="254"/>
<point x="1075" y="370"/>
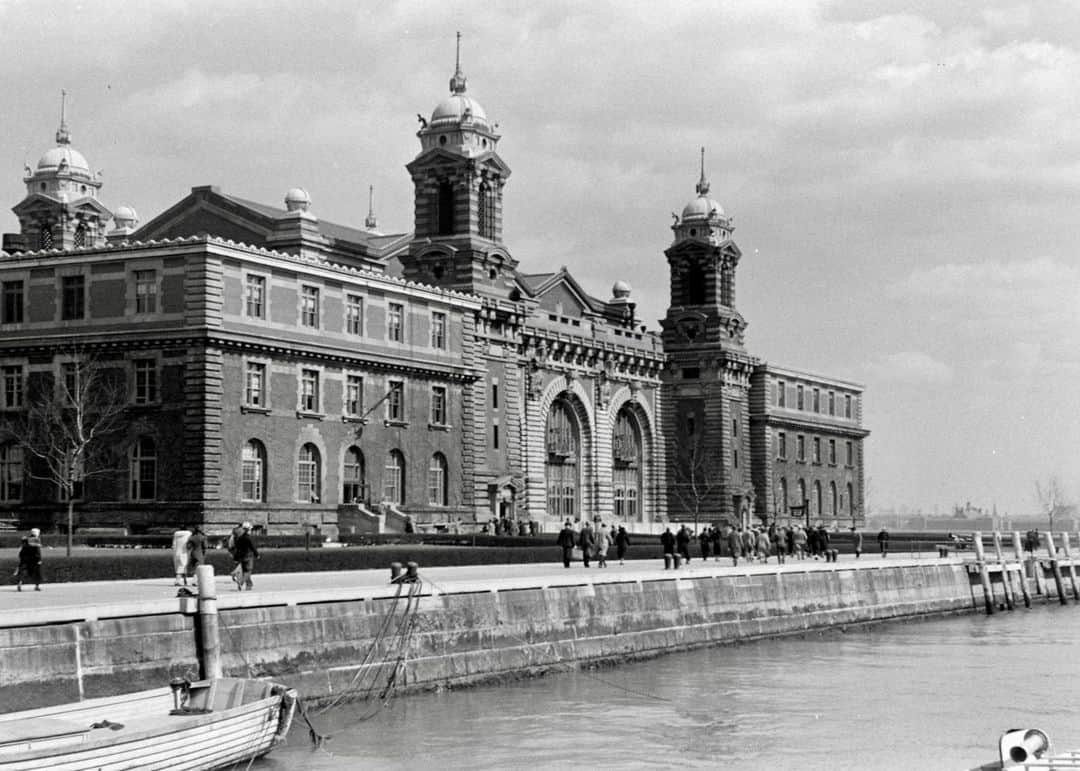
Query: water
<point x="931" y="694"/>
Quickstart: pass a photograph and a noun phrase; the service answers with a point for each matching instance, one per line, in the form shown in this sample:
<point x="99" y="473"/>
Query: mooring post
<point x="1056" y="568"/>
<point x="984" y="573"/>
<point x="1006" y="579"/>
<point x="209" y="639"/>
<point x="1020" y="562"/>
<point x="1072" y="565"/>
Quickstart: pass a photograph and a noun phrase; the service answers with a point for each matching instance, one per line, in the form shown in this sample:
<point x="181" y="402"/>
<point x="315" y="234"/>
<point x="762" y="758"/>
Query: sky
<point x="904" y="177"/>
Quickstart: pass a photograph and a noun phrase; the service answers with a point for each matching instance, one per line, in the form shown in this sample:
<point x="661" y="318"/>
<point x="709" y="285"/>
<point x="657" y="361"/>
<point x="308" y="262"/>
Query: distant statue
<point x="675" y="217"/>
<point x="422" y="119"/>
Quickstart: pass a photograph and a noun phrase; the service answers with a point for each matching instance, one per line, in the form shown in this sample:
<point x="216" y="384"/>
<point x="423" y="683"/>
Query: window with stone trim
<point x="309" y="306"/>
<point x="73" y="298"/>
<point x="253" y="471"/>
<point x="13" y="302"/>
<point x="394" y="478"/>
<point x="146" y="291"/>
<point x="437" y="487"/>
<point x="309" y="390"/>
<point x="353" y="487"/>
<point x="438" y="330"/>
<point x="143" y="474"/>
<point x="11" y="472"/>
<point x="438" y="405"/>
<point x="146" y="381"/>
<point x="354" y="396"/>
<point x="354" y="314"/>
<point x="395" y="322"/>
<point x="14" y="380"/>
<point x="255" y="385"/>
<point x="309" y="474"/>
<point x="395" y="401"/>
<point x="255" y="296"/>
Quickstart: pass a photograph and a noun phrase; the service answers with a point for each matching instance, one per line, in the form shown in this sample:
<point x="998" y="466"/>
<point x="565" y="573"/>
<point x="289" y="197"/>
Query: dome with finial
<point x="297" y="199"/>
<point x="125" y="217"/>
<point x="702" y="207"/>
<point x="621" y="289"/>
<point x="458" y="108"/>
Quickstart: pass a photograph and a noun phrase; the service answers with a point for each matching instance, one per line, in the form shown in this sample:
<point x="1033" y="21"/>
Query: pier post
<point x="1072" y="565"/>
<point x="984" y="573"/>
<point x="209" y="642"/>
<point x="1056" y="568"/>
<point x="1006" y="579"/>
<point x="1020" y="562"/>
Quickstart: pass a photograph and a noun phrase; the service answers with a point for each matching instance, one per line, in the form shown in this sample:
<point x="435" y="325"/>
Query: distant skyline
<point x="904" y="177"/>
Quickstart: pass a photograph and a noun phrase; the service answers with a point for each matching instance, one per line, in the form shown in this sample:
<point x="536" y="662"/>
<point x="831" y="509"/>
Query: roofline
<point x="773" y="369"/>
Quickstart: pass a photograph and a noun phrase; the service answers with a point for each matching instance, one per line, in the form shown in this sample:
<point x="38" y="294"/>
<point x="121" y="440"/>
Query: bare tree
<point x="697" y="474"/>
<point x="1050" y="496"/>
<point x="67" y="429"/>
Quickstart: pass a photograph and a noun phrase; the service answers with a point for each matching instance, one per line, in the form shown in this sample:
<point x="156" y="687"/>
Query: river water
<point x="930" y="694"/>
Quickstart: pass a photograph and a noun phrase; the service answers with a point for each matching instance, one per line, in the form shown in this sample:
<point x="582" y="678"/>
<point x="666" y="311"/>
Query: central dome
<point x="702" y="208"/>
<point x="455" y="108"/>
<point x="72" y="158"/>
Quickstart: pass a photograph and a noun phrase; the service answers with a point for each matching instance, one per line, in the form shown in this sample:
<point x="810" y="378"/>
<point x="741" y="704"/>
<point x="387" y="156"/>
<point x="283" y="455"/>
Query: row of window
<point x="144" y="383"/>
<point x="800" y="449"/>
<point x="142" y="473"/>
<point x="819" y="506"/>
<point x="814" y="403"/>
<point x="255" y="307"/>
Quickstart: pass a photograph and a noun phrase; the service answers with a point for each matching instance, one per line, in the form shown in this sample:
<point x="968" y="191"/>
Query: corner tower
<point x="458" y="179"/>
<point x="707" y="381"/>
<point x="61" y="209"/>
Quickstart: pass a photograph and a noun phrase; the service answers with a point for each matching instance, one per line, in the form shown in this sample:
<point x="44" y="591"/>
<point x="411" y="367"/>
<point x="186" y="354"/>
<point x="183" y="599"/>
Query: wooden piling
<point x="984" y="573"/>
<point x="1022" y="575"/>
<point x="1006" y="578"/>
<point x="209" y="642"/>
<point x="1056" y="568"/>
<point x="1072" y="565"/>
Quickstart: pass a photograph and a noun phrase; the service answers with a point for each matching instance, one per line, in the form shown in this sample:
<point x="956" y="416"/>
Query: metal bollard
<point x="412" y="572"/>
<point x="395" y="572"/>
<point x="678" y="561"/>
<point x="668" y="559"/>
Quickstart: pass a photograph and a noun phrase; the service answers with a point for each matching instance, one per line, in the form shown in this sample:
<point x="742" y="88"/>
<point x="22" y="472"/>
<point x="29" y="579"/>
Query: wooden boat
<point x="198" y="726"/>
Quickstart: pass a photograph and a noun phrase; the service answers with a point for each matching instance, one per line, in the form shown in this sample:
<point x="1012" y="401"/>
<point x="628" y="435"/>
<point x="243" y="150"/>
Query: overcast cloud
<point x="904" y="176"/>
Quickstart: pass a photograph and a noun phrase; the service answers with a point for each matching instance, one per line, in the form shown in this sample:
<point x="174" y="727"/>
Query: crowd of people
<point x="592" y="541"/>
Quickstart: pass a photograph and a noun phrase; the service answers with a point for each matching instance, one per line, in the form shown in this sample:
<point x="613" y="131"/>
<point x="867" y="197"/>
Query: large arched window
<point x="309" y="475"/>
<point x="818" y="510"/>
<point x="253" y="472"/>
<point x="353" y="486"/>
<point x="626" y="465"/>
<point x="394" y="478"/>
<point x="437" y="480"/>
<point x="833" y="503"/>
<point x="143" y="469"/>
<point x="561" y="467"/>
<point x="11" y="472"/>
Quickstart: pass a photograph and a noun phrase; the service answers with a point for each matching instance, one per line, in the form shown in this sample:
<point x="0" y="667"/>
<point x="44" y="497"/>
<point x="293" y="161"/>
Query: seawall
<point x="464" y="631"/>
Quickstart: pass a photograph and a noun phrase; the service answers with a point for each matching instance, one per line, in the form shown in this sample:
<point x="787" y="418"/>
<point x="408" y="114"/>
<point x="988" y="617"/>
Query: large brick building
<point x="293" y="371"/>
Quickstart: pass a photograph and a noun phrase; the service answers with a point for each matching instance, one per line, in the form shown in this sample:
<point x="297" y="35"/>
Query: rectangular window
<point x="847" y="405"/>
<point x="71" y="382"/>
<point x="255" y="297"/>
<point x="146" y="291"/>
<point x="13" y="388"/>
<point x="13" y="302"/>
<point x="495" y="395"/>
<point x="781" y="446"/>
<point x="832" y="403"/>
<point x="799" y="402"/>
<point x="354" y="314"/>
<point x="73" y="305"/>
<point x="146" y="385"/>
<point x="395" y="402"/>
<point x="395" y="315"/>
<point x="832" y="452"/>
<point x="850" y="449"/>
<point x="495" y="436"/>
<point x="817" y="400"/>
<point x="309" y="306"/>
<point x="309" y="390"/>
<point x="255" y="385"/>
<point x="354" y="395"/>
<point x="800" y="448"/>
<point x="817" y="450"/>
<point x="438" y="330"/>
<point x="438" y="405"/>
<point x="781" y="393"/>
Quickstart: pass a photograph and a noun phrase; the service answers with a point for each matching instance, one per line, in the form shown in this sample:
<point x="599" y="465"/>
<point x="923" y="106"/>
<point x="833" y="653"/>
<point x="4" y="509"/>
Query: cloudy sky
<point x="904" y="176"/>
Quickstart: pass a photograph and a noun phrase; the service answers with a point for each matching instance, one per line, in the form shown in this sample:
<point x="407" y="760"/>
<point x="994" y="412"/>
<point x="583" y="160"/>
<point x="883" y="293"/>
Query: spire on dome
<point x="457" y="83"/>
<point x="703" y="184"/>
<point x="63" y="136"/>
<point x="371" y="223"/>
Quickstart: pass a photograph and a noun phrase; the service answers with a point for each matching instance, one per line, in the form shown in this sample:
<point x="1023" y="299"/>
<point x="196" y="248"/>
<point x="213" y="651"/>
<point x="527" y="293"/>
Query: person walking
<point x="778" y="543"/>
<point x="603" y="543"/>
<point x="800" y="542"/>
<point x="883" y="541"/>
<point x="747" y="542"/>
<point x="566" y="542"/>
<point x="812" y="542"/>
<point x="717" y="539"/>
<point x="245" y="553"/>
<point x="180" y="555"/>
<point x="857" y="538"/>
<point x="29" y="563"/>
<point x="682" y="543"/>
<point x="705" y="539"/>
<point x="622" y="541"/>
<point x="761" y="545"/>
<point x="196" y="546"/>
<point x="734" y="542"/>
<point x="667" y="540"/>
<point x="823" y="541"/>
<point x="587" y="542"/>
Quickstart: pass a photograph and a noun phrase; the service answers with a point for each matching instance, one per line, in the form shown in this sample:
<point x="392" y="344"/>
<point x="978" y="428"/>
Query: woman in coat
<point x="622" y="540"/>
<point x="29" y="563"/>
<point x="603" y="542"/>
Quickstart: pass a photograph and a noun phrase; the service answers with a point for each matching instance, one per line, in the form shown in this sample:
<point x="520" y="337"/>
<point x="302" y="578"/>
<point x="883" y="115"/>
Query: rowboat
<point x="194" y="726"/>
<point x="1030" y="748"/>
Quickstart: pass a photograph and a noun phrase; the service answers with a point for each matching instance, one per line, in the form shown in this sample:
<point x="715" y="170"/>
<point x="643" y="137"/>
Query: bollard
<point x="1072" y="565"/>
<point x="1056" y="568"/>
<point x="395" y="572"/>
<point x="1020" y="574"/>
<point x="678" y="561"/>
<point x="668" y="560"/>
<point x="412" y="572"/>
<point x="835" y="554"/>
<point x="209" y="640"/>
<point x="984" y="574"/>
<point x="1006" y="581"/>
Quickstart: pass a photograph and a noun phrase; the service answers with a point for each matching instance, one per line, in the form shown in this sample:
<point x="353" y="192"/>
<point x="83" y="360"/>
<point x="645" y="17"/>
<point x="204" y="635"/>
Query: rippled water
<point x="922" y="694"/>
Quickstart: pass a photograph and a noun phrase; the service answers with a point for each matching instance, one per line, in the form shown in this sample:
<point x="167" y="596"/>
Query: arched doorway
<point x="626" y="457"/>
<point x="562" y="469"/>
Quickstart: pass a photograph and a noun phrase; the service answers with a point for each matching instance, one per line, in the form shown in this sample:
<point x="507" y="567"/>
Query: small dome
<point x="620" y="289"/>
<point x="125" y="217"/>
<point x="67" y="156"/>
<point x="702" y="208"/>
<point x="455" y="108"/>
<point x="297" y="199"/>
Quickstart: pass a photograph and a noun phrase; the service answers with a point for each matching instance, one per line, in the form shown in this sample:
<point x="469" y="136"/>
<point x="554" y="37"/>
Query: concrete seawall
<point x="465" y="629"/>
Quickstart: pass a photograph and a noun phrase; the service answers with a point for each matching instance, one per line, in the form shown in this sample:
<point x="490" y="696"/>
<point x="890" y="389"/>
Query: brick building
<point x="294" y="372"/>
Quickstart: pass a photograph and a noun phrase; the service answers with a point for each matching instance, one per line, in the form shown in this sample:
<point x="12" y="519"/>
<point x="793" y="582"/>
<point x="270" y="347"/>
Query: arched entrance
<point x="562" y="465"/>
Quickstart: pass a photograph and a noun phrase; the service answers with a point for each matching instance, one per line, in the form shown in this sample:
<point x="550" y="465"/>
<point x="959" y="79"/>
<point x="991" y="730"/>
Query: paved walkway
<point x="59" y="603"/>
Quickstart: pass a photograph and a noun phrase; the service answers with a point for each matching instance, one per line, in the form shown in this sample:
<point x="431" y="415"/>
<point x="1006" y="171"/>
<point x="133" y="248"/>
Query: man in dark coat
<point x="812" y="542"/>
<point x="566" y="542"/>
<point x="823" y="541"/>
<point x="587" y="541"/>
<point x="667" y="540"/>
<point x="622" y="541"/>
<point x="196" y="547"/>
<point x="245" y="553"/>
<point x="883" y="541"/>
<point x="734" y="539"/>
<point x="705" y="538"/>
<point x="682" y="543"/>
<point x="29" y="563"/>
